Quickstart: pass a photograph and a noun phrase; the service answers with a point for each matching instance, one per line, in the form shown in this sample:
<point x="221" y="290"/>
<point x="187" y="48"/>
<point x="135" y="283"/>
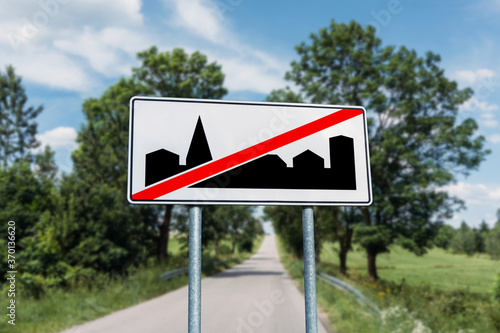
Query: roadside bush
<point x="246" y="244"/>
<point x="224" y="249"/>
<point x="496" y="289"/>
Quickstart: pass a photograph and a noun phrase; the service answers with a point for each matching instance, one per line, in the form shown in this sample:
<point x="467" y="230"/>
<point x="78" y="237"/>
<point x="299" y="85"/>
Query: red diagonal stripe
<point x="213" y="168"/>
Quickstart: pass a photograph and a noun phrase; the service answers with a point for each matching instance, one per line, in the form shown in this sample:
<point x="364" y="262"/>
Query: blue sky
<point x="68" y="50"/>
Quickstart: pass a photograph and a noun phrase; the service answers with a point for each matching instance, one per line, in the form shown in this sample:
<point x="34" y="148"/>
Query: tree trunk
<point x="165" y="233"/>
<point x="372" y="265"/>
<point x="233" y="250"/>
<point x="344" y="235"/>
<point x="343" y="260"/>
<point x="217" y="248"/>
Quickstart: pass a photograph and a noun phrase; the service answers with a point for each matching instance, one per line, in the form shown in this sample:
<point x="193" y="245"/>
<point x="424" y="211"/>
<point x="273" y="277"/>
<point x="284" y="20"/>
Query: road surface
<point x="256" y="296"/>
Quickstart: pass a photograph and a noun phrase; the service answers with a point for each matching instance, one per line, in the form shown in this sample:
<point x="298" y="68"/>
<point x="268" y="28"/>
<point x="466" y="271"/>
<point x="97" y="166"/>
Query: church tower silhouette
<point x="199" y="151"/>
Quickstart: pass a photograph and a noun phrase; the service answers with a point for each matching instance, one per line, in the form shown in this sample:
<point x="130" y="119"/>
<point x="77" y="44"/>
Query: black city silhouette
<point x="266" y="172"/>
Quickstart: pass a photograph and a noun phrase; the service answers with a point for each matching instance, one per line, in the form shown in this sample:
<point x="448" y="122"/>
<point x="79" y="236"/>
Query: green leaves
<point x="17" y="126"/>
<point x="177" y="74"/>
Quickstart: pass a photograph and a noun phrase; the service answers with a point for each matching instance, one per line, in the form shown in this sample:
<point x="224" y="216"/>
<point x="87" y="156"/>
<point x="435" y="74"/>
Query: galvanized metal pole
<point x="194" y="325"/>
<point x="309" y="270"/>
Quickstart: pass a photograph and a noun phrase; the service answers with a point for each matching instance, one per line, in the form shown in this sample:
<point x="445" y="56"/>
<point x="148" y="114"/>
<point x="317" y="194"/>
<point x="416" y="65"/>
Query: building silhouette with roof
<point x="266" y="172"/>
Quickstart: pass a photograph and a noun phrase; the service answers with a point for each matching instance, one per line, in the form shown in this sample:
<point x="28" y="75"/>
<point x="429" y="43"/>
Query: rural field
<point x="438" y="268"/>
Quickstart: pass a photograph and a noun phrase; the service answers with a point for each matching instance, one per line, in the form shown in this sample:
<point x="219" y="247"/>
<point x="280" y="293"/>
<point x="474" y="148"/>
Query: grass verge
<point x="60" y="309"/>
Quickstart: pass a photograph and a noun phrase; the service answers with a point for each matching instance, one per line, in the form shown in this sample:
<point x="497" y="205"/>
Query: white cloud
<point x="488" y="120"/>
<point x="49" y="67"/>
<point x="475" y="194"/>
<point x="471" y="77"/>
<point x="495" y="138"/>
<point x="68" y="13"/>
<point x="62" y="140"/>
<point x="252" y="75"/>
<point x="200" y="17"/>
<point x="474" y="104"/>
<point x="492" y="123"/>
<point x="485" y="8"/>
<point x="41" y="39"/>
<point x="245" y="66"/>
<point x="110" y="51"/>
<point x="60" y="137"/>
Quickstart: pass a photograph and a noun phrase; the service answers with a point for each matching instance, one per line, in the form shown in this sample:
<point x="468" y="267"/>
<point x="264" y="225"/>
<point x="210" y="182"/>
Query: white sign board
<point x="189" y="151"/>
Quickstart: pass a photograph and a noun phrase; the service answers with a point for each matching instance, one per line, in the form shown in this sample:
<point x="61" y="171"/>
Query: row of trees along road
<point x="417" y="141"/>
<point x="81" y="222"/>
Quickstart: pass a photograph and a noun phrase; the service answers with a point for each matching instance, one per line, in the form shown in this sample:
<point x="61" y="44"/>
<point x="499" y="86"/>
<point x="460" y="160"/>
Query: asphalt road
<point x="256" y="296"/>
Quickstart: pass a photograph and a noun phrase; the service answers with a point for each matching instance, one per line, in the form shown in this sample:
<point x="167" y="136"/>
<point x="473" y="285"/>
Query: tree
<point x="479" y="241"/>
<point x="336" y="224"/>
<point x="470" y="243"/>
<point x="496" y="289"/>
<point x="484" y="228"/>
<point x="17" y="126"/>
<point x="237" y="219"/>
<point x="234" y="223"/>
<point x="465" y="240"/>
<point x="45" y="165"/>
<point x="107" y="233"/>
<point x="250" y="230"/>
<point x="444" y="236"/>
<point x="493" y="242"/>
<point x="417" y="142"/>
<point x="177" y="74"/>
<point x="25" y="197"/>
<point x="287" y="224"/>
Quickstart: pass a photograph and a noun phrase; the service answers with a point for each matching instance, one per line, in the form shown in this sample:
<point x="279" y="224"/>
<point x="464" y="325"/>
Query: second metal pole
<point x="194" y="325"/>
<point x="309" y="269"/>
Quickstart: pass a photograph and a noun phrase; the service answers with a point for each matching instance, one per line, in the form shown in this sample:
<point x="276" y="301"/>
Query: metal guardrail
<point x="342" y="285"/>
<point x="183" y="270"/>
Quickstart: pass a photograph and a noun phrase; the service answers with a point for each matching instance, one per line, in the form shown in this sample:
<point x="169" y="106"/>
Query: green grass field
<point x="438" y="268"/>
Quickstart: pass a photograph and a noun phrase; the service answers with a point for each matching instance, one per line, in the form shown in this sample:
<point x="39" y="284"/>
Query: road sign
<point x="193" y="151"/>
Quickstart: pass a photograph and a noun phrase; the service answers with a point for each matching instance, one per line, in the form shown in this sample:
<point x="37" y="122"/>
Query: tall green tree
<point x="484" y="228"/>
<point x="444" y="236"/>
<point x="493" y="240"/>
<point x="108" y="234"/>
<point x="467" y="240"/>
<point x="178" y="74"/>
<point x="18" y="128"/>
<point x="417" y="142"/>
<point x="24" y="198"/>
<point x="287" y="224"/>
